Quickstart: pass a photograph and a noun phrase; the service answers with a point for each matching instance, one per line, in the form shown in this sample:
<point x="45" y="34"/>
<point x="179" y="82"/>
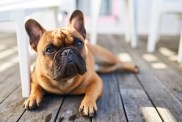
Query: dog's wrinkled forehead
<point x="64" y="36"/>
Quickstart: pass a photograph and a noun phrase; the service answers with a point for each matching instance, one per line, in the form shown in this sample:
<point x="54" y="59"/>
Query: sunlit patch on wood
<point x="8" y="52"/>
<point x="159" y="65"/>
<point x="149" y="57"/>
<point x="125" y="57"/>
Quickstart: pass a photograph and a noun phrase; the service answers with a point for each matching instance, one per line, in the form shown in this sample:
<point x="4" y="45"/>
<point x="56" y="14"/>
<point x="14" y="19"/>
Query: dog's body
<point x="66" y="61"/>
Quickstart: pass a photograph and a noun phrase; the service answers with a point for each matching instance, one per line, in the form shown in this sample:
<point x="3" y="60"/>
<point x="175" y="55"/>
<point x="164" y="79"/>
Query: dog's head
<point x="62" y="52"/>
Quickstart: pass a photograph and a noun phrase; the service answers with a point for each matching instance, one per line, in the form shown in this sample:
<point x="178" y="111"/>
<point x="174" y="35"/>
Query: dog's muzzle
<point x="67" y="63"/>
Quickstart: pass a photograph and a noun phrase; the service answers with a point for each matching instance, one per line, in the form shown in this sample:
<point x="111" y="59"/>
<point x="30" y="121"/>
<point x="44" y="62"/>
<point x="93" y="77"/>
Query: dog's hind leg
<point x="118" y="67"/>
<point x="107" y="62"/>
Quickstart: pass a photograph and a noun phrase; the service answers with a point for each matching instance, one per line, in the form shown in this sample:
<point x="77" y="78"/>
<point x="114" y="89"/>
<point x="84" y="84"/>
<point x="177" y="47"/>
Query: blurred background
<point x="111" y="19"/>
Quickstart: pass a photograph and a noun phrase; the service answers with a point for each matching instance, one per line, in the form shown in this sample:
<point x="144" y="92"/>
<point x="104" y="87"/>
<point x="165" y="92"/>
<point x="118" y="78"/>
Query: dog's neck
<point x="66" y="83"/>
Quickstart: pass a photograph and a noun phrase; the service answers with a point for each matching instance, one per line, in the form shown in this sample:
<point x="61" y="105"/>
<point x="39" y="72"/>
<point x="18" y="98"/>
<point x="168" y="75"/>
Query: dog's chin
<point x="64" y="78"/>
<point x="69" y="73"/>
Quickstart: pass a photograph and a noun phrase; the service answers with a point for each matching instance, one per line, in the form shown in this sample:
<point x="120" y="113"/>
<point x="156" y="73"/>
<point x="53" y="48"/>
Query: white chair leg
<point x="95" y="11"/>
<point x="154" y="26"/>
<point x="180" y="49"/>
<point x="132" y="22"/>
<point x="127" y="25"/>
<point x="24" y="54"/>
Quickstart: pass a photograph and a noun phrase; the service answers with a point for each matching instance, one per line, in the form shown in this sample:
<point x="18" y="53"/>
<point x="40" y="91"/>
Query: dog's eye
<point x="49" y="49"/>
<point x="78" y="43"/>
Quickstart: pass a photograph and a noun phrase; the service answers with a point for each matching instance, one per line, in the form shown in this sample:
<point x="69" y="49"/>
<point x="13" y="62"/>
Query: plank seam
<point x="20" y="116"/>
<point x="117" y="82"/>
<point x="149" y="97"/>
<point x="11" y="73"/>
<point x="9" y="94"/>
<point x="59" y="108"/>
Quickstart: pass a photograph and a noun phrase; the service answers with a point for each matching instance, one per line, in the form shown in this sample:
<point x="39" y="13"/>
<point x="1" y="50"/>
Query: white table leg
<point x="126" y="22"/>
<point x="95" y="11"/>
<point x="24" y="54"/>
<point x="154" y="26"/>
<point x="132" y="22"/>
<point x="180" y="48"/>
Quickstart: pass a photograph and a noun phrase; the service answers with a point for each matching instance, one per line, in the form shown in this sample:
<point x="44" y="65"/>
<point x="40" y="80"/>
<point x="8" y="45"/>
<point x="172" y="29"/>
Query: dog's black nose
<point x="67" y="52"/>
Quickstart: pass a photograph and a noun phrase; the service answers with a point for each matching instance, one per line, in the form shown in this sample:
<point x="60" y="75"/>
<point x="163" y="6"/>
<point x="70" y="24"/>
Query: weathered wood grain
<point x="9" y="85"/>
<point x="7" y="60"/>
<point x="8" y="40"/>
<point x="168" y="106"/>
<point x="7" y="35"/>
<point x="12" y="69"/>
<point x="170" y="43"/>
<point x="174" y="77"/>
<point x="46" y="112"/>
<point x="69" y="110"/>
<point x="110" y="108"/>
<point x="9" y="72"/>
<point x="11" y="80"/>
<point x="136" y="103"/>
<point x="12" y="108"/>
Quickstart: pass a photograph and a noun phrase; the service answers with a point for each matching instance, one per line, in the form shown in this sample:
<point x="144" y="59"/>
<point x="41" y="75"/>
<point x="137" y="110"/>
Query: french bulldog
<point x="65" y="63"/>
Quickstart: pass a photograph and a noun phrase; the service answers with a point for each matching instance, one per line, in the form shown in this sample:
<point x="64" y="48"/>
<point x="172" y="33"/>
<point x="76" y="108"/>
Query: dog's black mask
<point x="67" y="63"/>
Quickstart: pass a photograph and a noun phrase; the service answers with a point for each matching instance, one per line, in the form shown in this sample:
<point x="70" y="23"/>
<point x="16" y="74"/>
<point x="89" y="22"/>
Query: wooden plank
<point x="9" y="85"/>
<point x="173" y="79"/>
<point x="136" y="103"/>
<point x="12" y="108"/>
<point x="12" y="69"/>
<point x="9" y="41"/>
<point x="5" y="35"/>
<point x="69" y="110"/>
<point x="10" y="52"/>
<point x="108" y="42"/>
<point x="171" y="43"/>
<point x="110" y="108"/>
<point x="8" y="72"/>
<point x="10" y="76"/>
<point x="168" y="106"/>
<point x="46" y="112"/>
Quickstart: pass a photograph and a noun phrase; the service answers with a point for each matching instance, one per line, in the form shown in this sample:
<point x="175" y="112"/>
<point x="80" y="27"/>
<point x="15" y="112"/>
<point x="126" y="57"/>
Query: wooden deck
<point x="153" y="95"/>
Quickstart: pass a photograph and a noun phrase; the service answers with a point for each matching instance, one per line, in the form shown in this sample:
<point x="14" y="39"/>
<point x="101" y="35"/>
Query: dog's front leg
<point x="88" y="105"/>
<point x="35" y="97"/>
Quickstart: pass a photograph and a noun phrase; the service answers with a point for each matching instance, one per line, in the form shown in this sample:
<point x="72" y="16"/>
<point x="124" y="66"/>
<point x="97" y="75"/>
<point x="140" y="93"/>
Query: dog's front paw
<point x="88" y="108"/>
<point x="32" y="102"/>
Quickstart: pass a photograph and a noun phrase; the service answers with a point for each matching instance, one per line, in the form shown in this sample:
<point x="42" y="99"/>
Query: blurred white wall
<point x="169" y="26"/>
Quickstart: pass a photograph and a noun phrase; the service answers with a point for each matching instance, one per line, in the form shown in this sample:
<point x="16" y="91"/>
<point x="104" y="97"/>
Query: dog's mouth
<point x="68" y="63"/>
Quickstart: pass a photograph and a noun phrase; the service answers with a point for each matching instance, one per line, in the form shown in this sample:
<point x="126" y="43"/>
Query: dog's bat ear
<point x="77" y="21"/>
<point x="34" y="31"/>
